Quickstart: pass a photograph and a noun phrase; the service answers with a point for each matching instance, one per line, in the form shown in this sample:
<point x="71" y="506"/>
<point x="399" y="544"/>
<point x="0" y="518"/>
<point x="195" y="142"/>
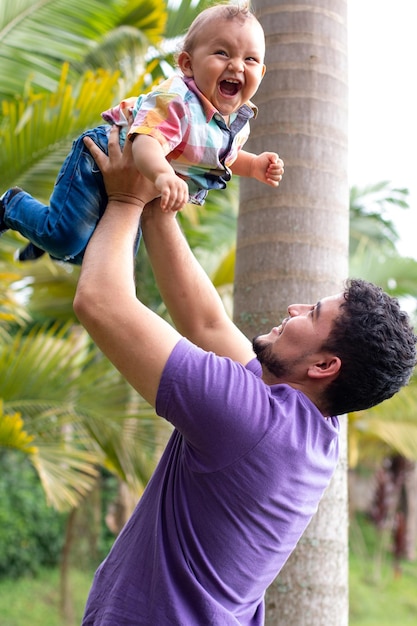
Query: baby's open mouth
<point x="230" y="87"/>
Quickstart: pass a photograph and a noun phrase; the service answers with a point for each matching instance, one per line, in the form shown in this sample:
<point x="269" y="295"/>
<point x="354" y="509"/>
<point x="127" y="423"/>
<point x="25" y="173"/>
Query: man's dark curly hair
<point x="376" y="344"/>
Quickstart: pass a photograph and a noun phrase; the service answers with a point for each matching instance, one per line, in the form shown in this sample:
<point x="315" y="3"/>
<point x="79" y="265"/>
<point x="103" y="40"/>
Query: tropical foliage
<point x="65" y="408"/>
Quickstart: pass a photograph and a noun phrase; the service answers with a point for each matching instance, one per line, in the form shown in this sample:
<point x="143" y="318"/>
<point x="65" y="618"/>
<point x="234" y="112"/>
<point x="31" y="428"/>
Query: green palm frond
<point x="12" y="310"/>
<point x="29" y="54"/>
<point x="33" y="361"/>
<point x="395" y="274"/>
<point x="131" y="453"/>
<point x="370" y="225"/>
<point x="399" y="436"/>
<point x="181" y="14"/>
<point x="38" y="130"/>
<point x="391" y="425"/>
<point x="124" y="47"/>
<point x="211" y="229"/>
<point x="47" y="288"/>
<point x="53" y="375"/>
<point x="66" y="473"/>
<point x="148" y="16"/>
<point x="77" y="408"/>
<point x="13" y="435"/>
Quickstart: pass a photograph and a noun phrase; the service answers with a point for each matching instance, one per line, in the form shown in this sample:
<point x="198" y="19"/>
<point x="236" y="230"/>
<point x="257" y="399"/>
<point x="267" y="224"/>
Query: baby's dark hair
<point x="376" y="344"/>
<point x="224" y="11"/>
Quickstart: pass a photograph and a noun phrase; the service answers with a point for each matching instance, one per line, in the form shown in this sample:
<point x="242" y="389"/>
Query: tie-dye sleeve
<point x="163" y="116"/>
<point x="119" y="114"/>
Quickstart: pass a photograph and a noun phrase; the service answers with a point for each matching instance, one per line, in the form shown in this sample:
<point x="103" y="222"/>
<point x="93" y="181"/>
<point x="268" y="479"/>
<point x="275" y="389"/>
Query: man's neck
<point x="313" y="394"/>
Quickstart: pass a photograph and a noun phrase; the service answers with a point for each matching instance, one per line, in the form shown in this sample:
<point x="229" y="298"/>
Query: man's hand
<point x="122" y="180"/>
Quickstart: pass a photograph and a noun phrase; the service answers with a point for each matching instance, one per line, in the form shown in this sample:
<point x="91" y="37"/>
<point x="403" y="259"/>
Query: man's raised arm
<point x="136" y="340"/>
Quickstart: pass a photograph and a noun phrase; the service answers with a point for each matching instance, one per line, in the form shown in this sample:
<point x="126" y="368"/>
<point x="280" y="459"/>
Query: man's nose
<point x="298" y="309"/>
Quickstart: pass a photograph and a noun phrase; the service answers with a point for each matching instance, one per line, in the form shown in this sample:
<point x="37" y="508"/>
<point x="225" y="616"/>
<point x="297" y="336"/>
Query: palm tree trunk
<point x="292" y="246"/>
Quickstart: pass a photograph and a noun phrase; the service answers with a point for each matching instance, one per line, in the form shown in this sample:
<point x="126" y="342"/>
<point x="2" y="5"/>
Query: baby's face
<point x="227" y="64"/>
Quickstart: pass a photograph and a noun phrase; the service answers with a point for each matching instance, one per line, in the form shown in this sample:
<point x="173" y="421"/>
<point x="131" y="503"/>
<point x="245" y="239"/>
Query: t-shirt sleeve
<point x="212" y="399"/>
<point x="163" y="116"/>
<point x="119" y="114"/>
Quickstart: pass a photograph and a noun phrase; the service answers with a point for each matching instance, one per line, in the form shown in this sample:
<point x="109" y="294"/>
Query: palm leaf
<point x="77" y="407"/>
<point x="12" y="311"/>
<point x="78" y="27"/>
<point x="66" y="473"/>
<point x="43" y="127"/>
<point x="392" y="424"/>
<point x="399" y="436"/>
<point x="47" y="288"/>
<point x="180" y="16"/>
<point x="394" y="273"/>
<point x="370" y="226"/>
<point x="13" y="435"/>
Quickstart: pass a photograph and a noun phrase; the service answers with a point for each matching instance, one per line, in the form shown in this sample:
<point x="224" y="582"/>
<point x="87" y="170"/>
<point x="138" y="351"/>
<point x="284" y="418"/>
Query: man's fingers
<point x="98" y="155"/>
<point x="114" y="143"/>
<point x="89" y="143"/>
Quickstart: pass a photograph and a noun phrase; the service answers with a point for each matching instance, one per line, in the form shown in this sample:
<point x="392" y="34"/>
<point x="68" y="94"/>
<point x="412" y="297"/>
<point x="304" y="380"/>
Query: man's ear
<point x="326" y="367"/>
<point x="185" y="64"/>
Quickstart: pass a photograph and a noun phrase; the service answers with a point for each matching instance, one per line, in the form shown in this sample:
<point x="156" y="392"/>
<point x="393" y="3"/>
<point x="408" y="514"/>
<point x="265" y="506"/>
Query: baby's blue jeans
<point x="78" y="200"/>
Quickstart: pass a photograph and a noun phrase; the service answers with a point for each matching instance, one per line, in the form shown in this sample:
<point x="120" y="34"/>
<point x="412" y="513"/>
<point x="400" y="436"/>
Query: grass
<point x="389" y="601"/>
<point x="378" y="596"/>
<point x="35" y="601"/>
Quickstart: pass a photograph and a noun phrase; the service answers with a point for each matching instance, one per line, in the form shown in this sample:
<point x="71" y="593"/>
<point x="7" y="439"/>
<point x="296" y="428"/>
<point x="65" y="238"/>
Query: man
<point x="255" y="441"/>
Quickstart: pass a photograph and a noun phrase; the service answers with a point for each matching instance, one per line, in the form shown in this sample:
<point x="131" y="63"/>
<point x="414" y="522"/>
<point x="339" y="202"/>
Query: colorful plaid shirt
<point x="193" y="134"/>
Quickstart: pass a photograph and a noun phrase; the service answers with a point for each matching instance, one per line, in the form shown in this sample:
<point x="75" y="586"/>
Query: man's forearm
<point x="107" y="269"/>
<point x="192" y="301"/>
<point x="188" y="293"/>
<point x="136" y="340"/>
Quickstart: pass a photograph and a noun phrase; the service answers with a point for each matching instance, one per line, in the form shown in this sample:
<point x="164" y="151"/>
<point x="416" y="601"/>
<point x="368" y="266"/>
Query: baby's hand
<point x="174" y="191"/>
<point x="268" y="168"/>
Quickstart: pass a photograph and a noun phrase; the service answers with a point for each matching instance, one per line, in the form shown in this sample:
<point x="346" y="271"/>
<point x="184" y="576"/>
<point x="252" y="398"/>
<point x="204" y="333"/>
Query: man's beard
<point x="273" y="363"/>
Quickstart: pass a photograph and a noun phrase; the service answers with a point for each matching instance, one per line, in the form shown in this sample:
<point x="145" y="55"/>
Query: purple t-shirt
<point x="238" y="483"/>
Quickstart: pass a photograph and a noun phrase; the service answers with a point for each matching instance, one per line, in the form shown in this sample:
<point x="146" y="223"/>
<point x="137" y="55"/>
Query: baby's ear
<point x="185" y="64"/>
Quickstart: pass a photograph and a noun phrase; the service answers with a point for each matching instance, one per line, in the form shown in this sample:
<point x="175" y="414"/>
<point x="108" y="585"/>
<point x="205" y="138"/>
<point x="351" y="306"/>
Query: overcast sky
<point x="383" y="101"/>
